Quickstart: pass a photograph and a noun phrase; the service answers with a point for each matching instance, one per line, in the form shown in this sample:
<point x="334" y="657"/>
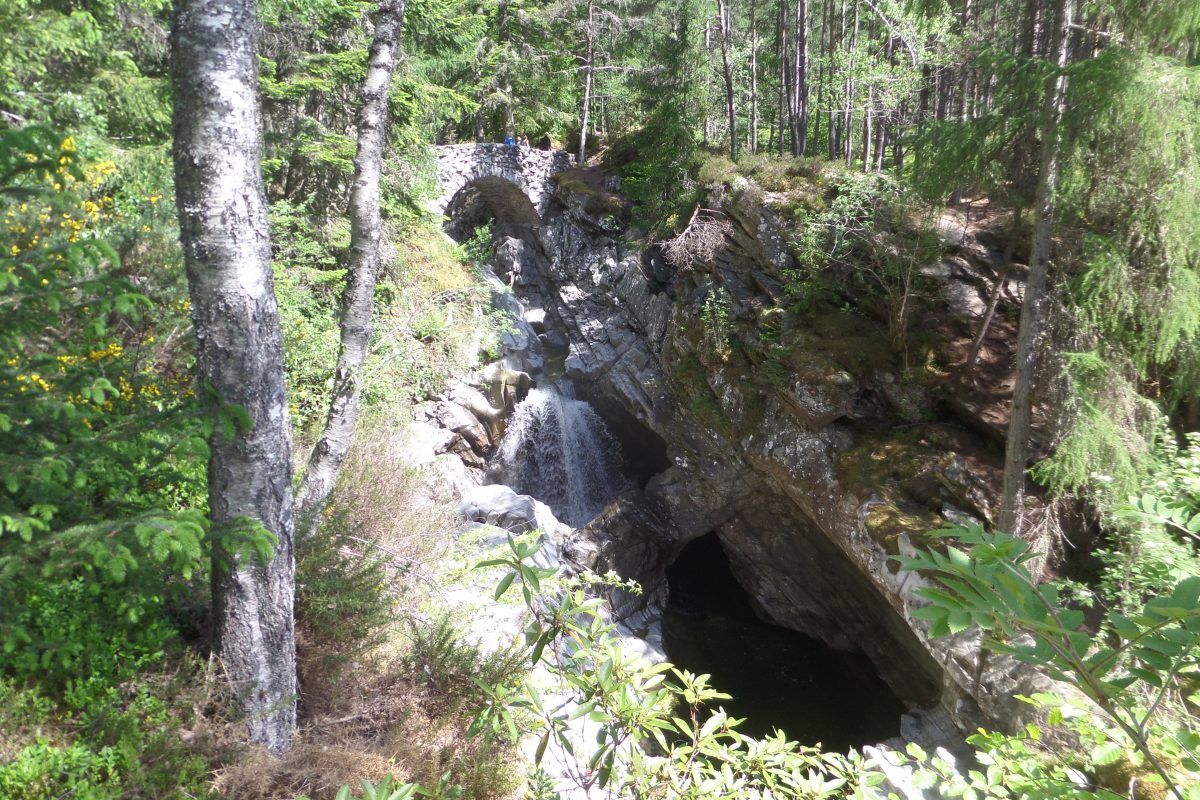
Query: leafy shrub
<point x="101" y="453"/>
<point x="122" y="743"/>
<point x="1132" y="676"/>
<point x="78" y="637"/>
<point x="452" y="666"/>
<point x="343" y="599"/>
<point x="102" y="524"/>
<point x="44" y="771"/>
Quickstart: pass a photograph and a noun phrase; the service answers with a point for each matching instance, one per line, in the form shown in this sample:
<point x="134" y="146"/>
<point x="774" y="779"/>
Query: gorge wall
<point x="793" y="437"/>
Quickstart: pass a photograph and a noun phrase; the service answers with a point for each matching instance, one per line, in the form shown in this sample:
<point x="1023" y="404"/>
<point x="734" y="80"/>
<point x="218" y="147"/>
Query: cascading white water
<point x="558" y="450"/>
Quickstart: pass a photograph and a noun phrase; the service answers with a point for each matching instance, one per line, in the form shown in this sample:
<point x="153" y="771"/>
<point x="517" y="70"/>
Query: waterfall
<point x="558" y="450"/>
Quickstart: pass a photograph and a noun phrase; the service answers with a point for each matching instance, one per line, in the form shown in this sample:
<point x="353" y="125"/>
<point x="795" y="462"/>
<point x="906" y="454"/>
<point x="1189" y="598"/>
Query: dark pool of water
<point x="778" y="678"/>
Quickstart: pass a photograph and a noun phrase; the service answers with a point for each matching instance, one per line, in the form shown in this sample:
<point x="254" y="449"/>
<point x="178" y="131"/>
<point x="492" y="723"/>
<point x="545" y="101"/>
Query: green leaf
<point x="502" y="587"/>
<point x="1107" y="753"/>
<point x="958" y="621"/>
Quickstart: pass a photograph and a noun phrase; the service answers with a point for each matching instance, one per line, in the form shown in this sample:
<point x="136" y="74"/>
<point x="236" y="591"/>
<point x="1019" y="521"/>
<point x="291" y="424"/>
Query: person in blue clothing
<point x="508" y="140"/>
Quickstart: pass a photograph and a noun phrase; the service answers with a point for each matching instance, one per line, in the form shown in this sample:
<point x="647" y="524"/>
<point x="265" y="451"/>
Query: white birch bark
<point x="366" y="223"/>
<point x="226" y="243"/>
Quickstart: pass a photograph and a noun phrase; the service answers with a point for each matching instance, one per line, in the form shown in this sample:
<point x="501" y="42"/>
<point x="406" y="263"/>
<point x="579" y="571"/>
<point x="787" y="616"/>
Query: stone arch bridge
<point x="514" y="183"/>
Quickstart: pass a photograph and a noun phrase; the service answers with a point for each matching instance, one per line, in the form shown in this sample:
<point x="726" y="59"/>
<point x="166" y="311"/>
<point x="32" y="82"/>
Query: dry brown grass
<point x="391" y="502"/>
<point x="384" y="725"/>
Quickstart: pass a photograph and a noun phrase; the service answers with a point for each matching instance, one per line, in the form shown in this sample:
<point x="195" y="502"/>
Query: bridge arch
<point x="515" y="184"/>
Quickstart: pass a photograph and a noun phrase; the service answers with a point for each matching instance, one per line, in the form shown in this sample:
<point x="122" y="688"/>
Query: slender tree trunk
<point x="793" y="95"/>
<point x="816" y="137"/>
<point x="479" y="128"/>
<point x="358" y="298"/>
<point x="868" y="133"/>
<point x="708" y="132"/>
<point x="882" y="117"/>
<point x="784" y="81"/>
<point x="510" y="128"/>
<point x="239" y="357"/>
<point x="824" y="56"/>
<point x="787" y="94"/>
<point x="851" y="88"/>
<point x="997" y="292"/>
<point x="881" y="129"/>
<point x="835" y="114"/>
<point x="990" y="85"/>
<point x="898" y="138"/>
<point x="800" y="146"/>
<point x="726" y="22"/>
<point x="589" y="54"/>
<point x="965" y="89"/>
<point x="752" y="134"/>
<point x="1033" y="309"/>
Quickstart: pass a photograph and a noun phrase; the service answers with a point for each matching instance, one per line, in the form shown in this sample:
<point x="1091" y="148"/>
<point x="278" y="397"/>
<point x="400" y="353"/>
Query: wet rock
<point x="507" y="387"/>
<point x="633" y="539"/>
<point x="500" y="507"/>
<point x="459" y="420"/>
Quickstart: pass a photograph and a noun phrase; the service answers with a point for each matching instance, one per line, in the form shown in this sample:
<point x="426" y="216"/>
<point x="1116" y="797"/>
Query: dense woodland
<point x="195" y="511"/>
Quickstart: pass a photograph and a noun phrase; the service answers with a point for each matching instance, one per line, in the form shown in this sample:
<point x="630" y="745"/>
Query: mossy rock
<point x="1123" y="773"/>
<point x="574" y="187"/>
<point x="886" y="522"/>
<point x="881" y="460"/>
<point x="854" y="341"/>
<point x="895" y="467"/>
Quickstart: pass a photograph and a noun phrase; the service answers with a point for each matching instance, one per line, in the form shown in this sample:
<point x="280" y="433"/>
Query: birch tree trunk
<point x="1033" y="310"/>
<point x="366" y="222"/>
<point x="239" y="358"/>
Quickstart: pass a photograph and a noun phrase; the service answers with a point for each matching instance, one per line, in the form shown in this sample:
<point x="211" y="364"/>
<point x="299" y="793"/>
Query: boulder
<point x="453" y="417"/>
<point x="499" y="506"/>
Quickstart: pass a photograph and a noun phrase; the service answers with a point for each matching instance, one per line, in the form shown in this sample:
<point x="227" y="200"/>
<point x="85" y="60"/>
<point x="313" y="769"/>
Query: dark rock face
<point x="790" y="438"/>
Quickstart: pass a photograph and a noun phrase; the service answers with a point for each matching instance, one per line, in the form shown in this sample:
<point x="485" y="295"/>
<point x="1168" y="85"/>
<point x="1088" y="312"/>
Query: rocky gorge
<point x="795" y="438"/>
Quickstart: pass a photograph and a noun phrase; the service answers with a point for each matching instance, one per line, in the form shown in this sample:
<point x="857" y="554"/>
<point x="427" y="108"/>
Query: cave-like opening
<point x="778" y="678"/>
